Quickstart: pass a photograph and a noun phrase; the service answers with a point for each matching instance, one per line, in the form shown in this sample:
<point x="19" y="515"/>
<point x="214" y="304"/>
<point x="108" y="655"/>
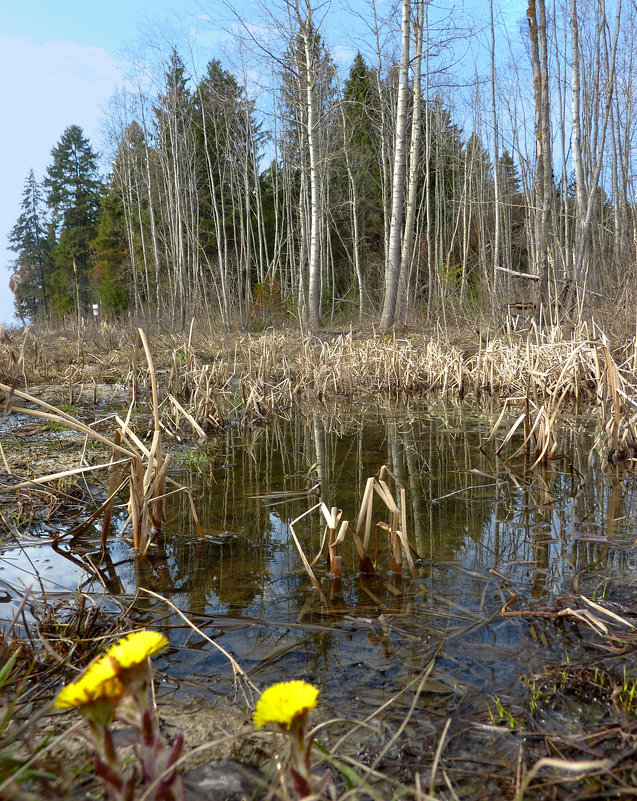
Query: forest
<point x="444" y="168"/>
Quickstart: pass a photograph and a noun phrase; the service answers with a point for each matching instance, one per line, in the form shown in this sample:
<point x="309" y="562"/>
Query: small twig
<point x="239" y="672"/>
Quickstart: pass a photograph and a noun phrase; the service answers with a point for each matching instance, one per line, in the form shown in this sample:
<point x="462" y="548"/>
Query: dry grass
<point x="541" y="373"/>
<point x="133" y="465"/>
<point x="198" y="386"/>
<point x="226" y="376"/>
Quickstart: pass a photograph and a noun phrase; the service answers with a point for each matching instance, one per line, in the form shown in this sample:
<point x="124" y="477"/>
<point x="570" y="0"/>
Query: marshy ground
<point x="503" y="666"/>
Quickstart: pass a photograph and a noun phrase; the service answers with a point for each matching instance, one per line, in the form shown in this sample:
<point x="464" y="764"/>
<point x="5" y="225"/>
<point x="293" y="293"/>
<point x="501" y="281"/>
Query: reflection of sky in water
<point x="39" y="571"/>
<point x="41" y="568"/>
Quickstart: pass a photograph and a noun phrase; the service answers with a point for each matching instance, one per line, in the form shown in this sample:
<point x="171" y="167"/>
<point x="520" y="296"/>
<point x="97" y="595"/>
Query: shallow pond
<point x="491" y="536"/>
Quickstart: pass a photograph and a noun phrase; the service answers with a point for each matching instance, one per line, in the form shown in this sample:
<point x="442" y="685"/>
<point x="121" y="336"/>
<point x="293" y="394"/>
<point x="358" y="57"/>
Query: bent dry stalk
<point x="146" y="467"/>
<point x="336" y="528"/>
<point x="143" y="469"/>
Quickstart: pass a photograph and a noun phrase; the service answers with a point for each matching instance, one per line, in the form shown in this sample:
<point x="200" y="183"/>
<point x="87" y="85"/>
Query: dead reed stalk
<point x="132" y="463"/>
<point x="556" y="371"/>
<point x="336" y="529"/>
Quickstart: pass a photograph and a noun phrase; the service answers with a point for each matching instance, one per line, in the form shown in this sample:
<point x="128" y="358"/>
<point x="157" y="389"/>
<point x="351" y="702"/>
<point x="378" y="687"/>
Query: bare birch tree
<point x="536" y="15"/>
<point x="393" y="262"/>
<point x="414" y="155"/>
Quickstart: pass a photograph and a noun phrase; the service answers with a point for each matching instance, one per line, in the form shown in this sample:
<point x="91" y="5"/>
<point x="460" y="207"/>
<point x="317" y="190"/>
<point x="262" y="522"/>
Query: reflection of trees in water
<point x="463" y="504"/>
<point x="546" y="509"/>
<point x="610" y="512"/>
<point x="292" y="456"/>
<point x="422" y="459"/>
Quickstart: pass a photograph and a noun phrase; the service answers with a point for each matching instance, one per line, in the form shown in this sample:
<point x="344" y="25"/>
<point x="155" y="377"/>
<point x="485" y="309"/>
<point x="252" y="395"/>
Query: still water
<point x="489" y="531"/>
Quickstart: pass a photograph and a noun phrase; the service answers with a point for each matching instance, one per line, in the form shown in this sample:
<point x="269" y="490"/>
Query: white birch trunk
<point x="393" y="262"/>
<point x="414" y="157"/>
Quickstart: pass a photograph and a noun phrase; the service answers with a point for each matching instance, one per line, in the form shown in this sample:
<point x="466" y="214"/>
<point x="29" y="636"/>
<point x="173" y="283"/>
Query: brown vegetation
<point x="189" y="388"/>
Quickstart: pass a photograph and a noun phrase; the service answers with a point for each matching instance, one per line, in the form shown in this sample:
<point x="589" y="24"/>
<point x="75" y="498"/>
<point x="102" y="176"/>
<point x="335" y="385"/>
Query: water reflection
<point x="487" y="531"/>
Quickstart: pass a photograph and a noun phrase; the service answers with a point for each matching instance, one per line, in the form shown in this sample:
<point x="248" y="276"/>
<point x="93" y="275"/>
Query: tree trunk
<point x="393" y="262"/>
<point x="543" y="165"/>
<point x="414" y="157"/>
<point x="496" y="159"/>
<point x="314" y="250"/>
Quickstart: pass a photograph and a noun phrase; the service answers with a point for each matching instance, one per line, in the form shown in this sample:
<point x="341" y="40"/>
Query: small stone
<point x="226" y="780"/>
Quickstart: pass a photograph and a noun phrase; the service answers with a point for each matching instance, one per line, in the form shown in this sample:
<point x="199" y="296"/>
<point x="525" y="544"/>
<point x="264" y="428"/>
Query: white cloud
<point x="49" y="87"/>
<point x="46" y="88"/>
<point x="343" y="55"/>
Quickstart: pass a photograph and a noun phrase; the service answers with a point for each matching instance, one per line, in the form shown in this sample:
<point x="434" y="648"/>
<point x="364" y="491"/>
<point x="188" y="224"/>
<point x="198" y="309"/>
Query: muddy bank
<point x="512" y="641"/>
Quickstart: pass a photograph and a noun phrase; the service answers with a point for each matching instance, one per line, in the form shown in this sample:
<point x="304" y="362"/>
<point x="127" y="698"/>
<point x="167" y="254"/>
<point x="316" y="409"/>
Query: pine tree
<point x="28" y="238"/>
<point x="515" y="251"/>
<point x="74" y="193"/>
<point x="123" y="247"/>
<point x="509" y="173"/>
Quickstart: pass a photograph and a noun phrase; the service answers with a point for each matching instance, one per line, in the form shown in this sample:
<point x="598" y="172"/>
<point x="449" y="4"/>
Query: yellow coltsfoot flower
<point x="115" y="687"/>
<point x="98" y="681"/>
<point x="135" y="648"/>
<point x="285" y="703"/>
<point x="101" y="679"/>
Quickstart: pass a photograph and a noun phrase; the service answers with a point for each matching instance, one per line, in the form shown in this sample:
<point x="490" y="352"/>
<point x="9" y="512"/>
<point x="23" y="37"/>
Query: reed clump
<point x="134" y="465"/>
<point x="265" y="375"/>
<point x="207" y="384"/>
<point x="277" y="368"/>
<point x="541" y="372"/>
<point x="337" y="528"/>
<point x="548" y="371"/>
<point x="545" y="363"/>
<point x="221" y="378"/>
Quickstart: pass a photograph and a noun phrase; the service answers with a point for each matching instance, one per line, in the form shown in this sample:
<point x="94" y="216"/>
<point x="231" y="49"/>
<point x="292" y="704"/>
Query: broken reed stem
<point x="308" y="569"/>
<point x="398" y="541"/>
<point x="113" y="483"/>
<point x="336" y="529"/>
<point x="147" y="466"/>
<point x="147" y="478"/>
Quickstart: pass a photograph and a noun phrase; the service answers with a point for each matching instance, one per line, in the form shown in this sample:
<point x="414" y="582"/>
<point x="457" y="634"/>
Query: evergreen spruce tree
<point x="356" y="211"/>
<point x="509" y="173"/>
<point x="28" y="238"/>
<point x="74" y="192"/>
<point x="225" y="130"/>
<point x="111" y="256"/>
<point x="361" y="115"/>
<point x="123" y="246"/>
<point x="516" y="250"/>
